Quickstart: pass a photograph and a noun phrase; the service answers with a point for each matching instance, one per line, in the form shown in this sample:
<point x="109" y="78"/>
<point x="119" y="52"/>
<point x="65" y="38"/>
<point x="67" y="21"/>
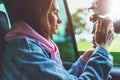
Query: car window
<point x="83" y="28"/>
<point x="63" y="38"/>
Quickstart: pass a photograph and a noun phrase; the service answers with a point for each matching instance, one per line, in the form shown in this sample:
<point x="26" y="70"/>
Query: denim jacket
<point x="27" y="59"/>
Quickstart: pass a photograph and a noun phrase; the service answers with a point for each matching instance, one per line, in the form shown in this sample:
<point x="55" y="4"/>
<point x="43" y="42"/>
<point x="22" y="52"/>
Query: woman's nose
<point x="59" y="20"/>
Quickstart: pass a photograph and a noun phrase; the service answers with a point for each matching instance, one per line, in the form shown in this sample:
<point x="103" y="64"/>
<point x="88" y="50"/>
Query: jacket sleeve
<point x="97" y="68"/>
<point x="78" y="67"/>
<point x="35" y="64"/>
<point x="99" y="65"/>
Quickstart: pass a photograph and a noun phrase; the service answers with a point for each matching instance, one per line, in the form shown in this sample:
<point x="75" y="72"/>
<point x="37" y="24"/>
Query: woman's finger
<point x="110" y="30"/>
<point x="99" y="25"/>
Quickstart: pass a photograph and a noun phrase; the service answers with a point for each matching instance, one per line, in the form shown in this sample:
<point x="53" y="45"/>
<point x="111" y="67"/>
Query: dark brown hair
<point x="35" y="13"/>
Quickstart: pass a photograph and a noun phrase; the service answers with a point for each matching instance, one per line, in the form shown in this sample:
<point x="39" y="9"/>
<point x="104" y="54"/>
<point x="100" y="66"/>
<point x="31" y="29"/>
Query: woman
<point x="32" y="55"/>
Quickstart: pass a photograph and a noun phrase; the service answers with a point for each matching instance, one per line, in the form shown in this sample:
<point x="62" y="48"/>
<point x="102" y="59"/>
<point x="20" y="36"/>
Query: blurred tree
<point x="78" y="20"/>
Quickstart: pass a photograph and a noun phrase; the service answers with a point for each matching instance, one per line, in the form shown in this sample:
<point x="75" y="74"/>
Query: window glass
<point x="63" y="38"/>
<point x="83" y="28"/>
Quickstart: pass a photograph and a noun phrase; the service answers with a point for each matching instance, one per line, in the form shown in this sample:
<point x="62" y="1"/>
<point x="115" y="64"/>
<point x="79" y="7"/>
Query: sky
<point x="74" y="4"/>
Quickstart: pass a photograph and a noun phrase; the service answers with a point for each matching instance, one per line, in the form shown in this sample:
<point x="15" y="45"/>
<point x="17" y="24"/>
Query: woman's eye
<point x="55" y="12"/>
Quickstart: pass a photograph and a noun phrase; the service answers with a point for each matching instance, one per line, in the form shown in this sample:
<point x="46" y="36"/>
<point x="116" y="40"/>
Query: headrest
<point x="10" y="6"/>
<point x="4" y="27"/>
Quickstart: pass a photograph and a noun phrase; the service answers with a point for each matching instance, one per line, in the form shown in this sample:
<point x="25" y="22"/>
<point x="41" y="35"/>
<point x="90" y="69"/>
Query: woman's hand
<point x="104" y="34"/>
<point x="88" y="53"/>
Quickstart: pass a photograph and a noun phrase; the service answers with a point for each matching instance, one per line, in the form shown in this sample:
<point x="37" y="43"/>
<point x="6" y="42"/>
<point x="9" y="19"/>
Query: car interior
<point x="4" y="28"/>
<point x="65" y="37"/>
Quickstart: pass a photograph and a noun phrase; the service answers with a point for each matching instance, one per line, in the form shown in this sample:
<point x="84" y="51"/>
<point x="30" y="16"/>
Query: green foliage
<point x="85" y="45"/>
<point x="76" y="20"/>
<point x="79" y="20"/>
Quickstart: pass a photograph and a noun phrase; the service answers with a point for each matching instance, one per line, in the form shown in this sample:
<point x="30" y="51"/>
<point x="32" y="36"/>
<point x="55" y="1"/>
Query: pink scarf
<point x="22" y="29"/>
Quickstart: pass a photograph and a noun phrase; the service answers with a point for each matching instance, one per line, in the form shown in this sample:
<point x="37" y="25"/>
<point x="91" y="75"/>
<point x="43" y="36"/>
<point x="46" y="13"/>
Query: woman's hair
<point x="35" y="13"/>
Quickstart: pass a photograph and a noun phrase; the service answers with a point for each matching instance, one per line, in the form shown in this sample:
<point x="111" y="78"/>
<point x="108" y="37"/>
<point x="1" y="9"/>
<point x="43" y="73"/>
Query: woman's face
<point x="54" y="17"/>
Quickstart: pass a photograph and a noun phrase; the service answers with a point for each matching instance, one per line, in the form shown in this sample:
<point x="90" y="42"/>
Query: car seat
<point x="4" y="28"/>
